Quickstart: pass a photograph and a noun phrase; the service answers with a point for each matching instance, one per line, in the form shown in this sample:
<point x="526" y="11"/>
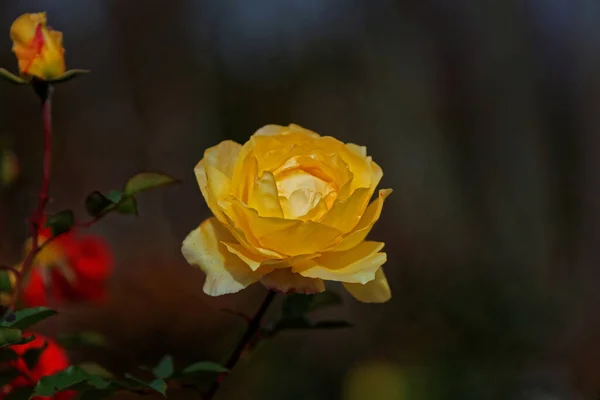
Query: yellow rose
<point x="291" y="209"/>
<point x="37" y="47"/>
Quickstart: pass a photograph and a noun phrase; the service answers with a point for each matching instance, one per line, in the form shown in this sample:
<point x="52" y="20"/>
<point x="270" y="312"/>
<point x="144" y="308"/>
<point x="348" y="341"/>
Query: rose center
<point x="301" y="192"/>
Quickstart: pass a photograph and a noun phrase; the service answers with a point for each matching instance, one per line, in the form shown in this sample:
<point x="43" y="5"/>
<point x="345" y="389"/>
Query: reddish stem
<point x="251" y="332"/>
<point x="38" y="214"/>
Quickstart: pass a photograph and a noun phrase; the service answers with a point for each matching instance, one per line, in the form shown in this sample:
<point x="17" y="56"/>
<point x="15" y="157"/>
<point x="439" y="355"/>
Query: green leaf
<point x="96" y="371"/>
<point x="157" y="385"/>
<point x="128" y="206"/>
<point x="325" y="299"/>
<point x="63" y="380"/>
<point x="160" y="386"/>
<point x="9" y="336"/>
<point x="202" y="367"/>
<point x="83" y="339"/>
<point x="12" y="78"/>
<point x="147" y="180"/>
<point x="5" y="283"/>
<point x="296" y="305"/>
<point x="164" y="368"/>
<point x="61" y="222"/>
<point x="115" y="196"/>
<point x="68" y="75"/>
<point x="97" y="381"/>
<point x="96" y="204"/>
<point x="28" y="316"/>
<point x="31" y="356"/>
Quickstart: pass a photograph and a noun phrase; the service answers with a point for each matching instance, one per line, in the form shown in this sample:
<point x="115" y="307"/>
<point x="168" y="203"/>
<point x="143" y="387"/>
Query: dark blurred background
<point x="484" y="116"/>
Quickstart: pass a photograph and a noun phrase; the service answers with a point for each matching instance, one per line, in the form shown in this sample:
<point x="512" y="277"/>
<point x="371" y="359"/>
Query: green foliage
<point x="95" y="369"/>
<point x="201" y="367"/>
<point x="5" y="284"/>
<point x="147" y="180"/>
<point x="157" y="385"/>
<point x="128" y="206"/>
<point x="12" y="78"/>
<point x="68" y="75"/>
<point x="295" y="310"/>
<point x="325" y="299"/>
<point x="124" y="202"/>
<point x="61" y="222"/>
<point x="10" y="336"/>
<point x="164" y="369"/>
<point x="26" y="317"/>
<point x="92" y="381"/>
<point x="12" y="324"/>
<point x="96" y="203"/>
<point x="298" y="305"/>
<point x="115" y="196"/>
<point x="83" y="339"/>
<point x="67" y="379"/>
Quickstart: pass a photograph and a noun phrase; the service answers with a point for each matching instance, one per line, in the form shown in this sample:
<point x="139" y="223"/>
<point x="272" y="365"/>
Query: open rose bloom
<point x="71" y="268"/>
<point x="291" y="210"/>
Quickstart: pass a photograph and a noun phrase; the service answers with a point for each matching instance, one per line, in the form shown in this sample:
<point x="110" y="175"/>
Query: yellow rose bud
<point x="37" y="47"/>
<point x="291" y="209"/>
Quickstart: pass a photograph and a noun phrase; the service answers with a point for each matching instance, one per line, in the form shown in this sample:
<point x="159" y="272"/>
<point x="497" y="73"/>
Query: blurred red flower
<point x="71" y="268"/>
<point x="52" y="359"/>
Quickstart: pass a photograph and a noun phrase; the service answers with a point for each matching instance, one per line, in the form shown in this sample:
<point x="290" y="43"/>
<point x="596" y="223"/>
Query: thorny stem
<point x="251" y="332"/>
<point x="37" y="217"/>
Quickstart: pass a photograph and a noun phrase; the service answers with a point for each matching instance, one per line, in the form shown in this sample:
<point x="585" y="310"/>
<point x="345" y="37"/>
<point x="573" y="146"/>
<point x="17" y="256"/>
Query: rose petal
<point x="236" y="226"/>
<point x="218" y="185"/>
<point x="357" y="265"/>
<point x="359" y="150"/>
<point x="273" y="130"/>
<point x="225" y="272"/>
<point x="23" y="29"/>
<point x="265" y="198"/>
<point x="93" y="260"/>
<point x="375" y="291"/>
<point x="219" y="160"/>
<point x="346" y="214"/>
<point x="243" y="183"/>
<point x="284" y="236"/>
<point x="255" y="226"/>
<point x="304" y="237"/>
<point x="365" y="224"/>
<point x="285" y="281"/>
<point x="223" y="156"/>
<point x="253" y="260"/>
<point x="34" y="290"/>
